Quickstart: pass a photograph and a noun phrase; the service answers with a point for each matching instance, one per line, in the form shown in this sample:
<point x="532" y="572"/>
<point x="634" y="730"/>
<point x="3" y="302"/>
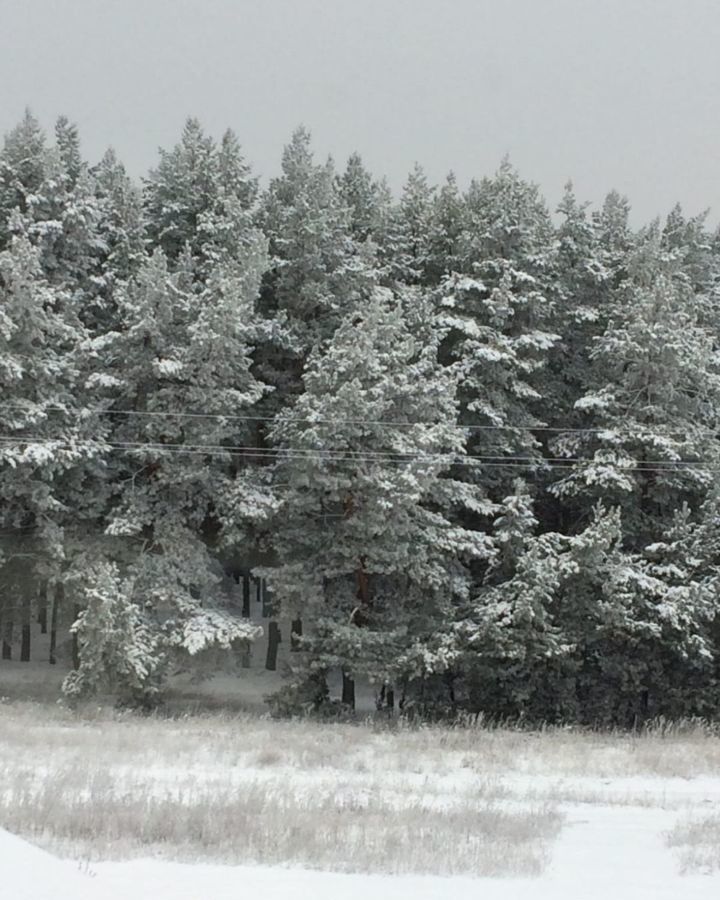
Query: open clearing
<point x="215" y="805"/>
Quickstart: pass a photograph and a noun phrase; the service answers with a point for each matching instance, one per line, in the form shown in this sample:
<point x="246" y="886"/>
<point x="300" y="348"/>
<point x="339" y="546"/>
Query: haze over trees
<point x="470" y="446"/>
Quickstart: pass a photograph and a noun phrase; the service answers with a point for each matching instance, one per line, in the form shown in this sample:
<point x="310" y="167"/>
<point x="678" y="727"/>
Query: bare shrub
<point x="697" y="838"/>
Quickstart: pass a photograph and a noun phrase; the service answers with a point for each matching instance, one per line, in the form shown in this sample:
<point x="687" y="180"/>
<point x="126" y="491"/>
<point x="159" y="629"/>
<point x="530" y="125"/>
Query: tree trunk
<point x="43" y="607"/>
<point x="57" y="600"/>
<point x="75" y="641"/>
<point x="274" y="641"/>
<point x="246" y="597"/>
<point x="450" y="682"/>
<point x="7" y="637"/>
<point x="25" y="630"/>
<point x="386" y="698"/>
<point x="267" y="609"/>
<point x="348" y="689"/>
<point x="358" y="617"/>
<point x="296" y="630"/>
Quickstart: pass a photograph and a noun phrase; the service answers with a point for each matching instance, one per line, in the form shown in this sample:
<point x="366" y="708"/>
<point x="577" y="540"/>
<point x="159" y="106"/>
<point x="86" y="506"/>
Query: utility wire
<point x="330" y="455"/>
<point x="370" y="422"/>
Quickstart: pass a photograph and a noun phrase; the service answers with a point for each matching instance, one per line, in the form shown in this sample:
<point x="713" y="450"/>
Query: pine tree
<point x="409" y="239"/>
<point x="612" y="223"/>
<point x="67" y="141"/>
<point x="650" y="402"/>
<point x="369" y="555"/>
<point x="177" y="364"/>
<point x="121" y="234"/>
<point x="317" y="269"/>
<point x="179" y="191"/>
<point x="38" y="384"/>
<point x="499" y="309"/>
<point x="58" y="210"/>
<point x="583" y="287"/>
<point x="583" y="298"/>
<point x="23" y="165"/>
<point x="234" y="175"/>
<point x="49" y="445"/>
<point x="361" y="194"/>
<point x="576" y="628"/>
<point x="445" y="231"/>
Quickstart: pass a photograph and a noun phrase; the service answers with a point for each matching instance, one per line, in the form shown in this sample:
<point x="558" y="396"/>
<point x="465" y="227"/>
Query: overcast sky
<point x="611" y="93"/>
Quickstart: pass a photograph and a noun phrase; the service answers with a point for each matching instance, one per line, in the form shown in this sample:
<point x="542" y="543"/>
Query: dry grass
<point x="697" y="838"/>
<point x="368" y="797"/>
<point x="251" y="790"/>
<point x="95" y="815"/>
<point x="683" y="751"/>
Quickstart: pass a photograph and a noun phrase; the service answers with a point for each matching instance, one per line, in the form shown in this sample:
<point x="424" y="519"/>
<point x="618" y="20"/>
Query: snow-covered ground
<point x="619" y="798"/>
<point x="603" y="852"/>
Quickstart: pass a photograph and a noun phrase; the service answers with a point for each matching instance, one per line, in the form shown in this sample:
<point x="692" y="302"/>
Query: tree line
<point x="470" y="446"/>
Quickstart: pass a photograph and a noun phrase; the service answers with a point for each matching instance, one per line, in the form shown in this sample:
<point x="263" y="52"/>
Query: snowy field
<point x="101" y="805"/>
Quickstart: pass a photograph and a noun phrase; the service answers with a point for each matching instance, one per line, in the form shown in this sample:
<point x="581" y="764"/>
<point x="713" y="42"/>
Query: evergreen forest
<point x="466" y="440"/>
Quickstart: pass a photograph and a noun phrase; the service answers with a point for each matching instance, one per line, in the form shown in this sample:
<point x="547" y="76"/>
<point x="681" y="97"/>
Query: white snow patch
<point x="603" y="852"/>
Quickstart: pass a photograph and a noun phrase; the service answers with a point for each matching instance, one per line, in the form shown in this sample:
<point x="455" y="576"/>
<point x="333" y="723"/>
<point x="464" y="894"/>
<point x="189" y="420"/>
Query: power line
<point x="281" y="420"/>
<point x="398" y="458"/>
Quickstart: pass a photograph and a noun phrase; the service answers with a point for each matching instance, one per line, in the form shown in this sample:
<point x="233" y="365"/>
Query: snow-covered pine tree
<point x="179" y="190"/>
<point x="407" y="245"/>
<point x="50" y="190"/>
<point x="676" y="653"/>
<point x="691" y="244"/>
<point x="575" y="627"/>
<point x="369" y="554"/>
<point x="582" y="284"/>
<point x="48" y="447"/>
<point x="23" y="165"/>
<point x="499" y="311"/>
<point x="121" y="233"/>
<point x="583" y="288"/>
<point x="178" y="363"/>
<point x="62" y="219"/>
<point x="192" y="193"/>
<point x="312" y="253"/>
<point x="447" y="222"/>
<point x="612" y="222"/>
<point x="317" y="269"/>
<point x="651" y="401"/>
<point x="363" y="197"/>
<point x="119" y="650"/>
<point x="234" y="174"/>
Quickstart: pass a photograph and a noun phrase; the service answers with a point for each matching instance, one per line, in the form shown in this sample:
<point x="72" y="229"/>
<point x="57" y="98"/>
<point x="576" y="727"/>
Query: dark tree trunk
<point x="348" y="689"/>
<point x="450" y="682"/>
<point x="359" y="615"/>
<point x="246" y="597"/>
<point x="57" y="600"/>
<point x="75" y="641"/>
<point x="274" y="641"/>
<point x="25" y="630"/>
<point x="258" y="590"/>
<point x="386" y="699"/>
<point x="42" y="607"/>
<point x="267" y="609"/>
<point x="296" y="630"/>
<point x="7" y="638"/>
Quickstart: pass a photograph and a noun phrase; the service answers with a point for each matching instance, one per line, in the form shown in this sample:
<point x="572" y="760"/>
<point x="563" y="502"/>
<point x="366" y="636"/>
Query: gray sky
<point x="613" y="93"/>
